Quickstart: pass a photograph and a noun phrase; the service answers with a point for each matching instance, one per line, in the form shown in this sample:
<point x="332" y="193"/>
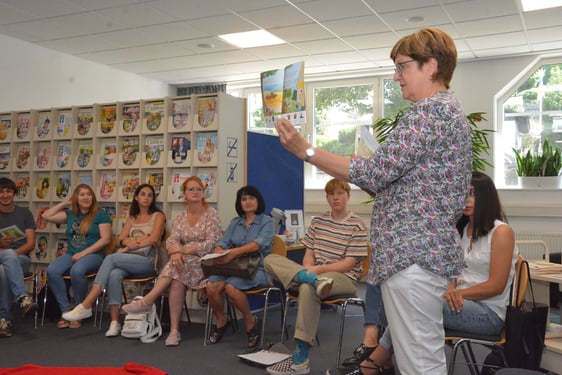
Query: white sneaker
<point x="323" y="287"/>
<point x="114" y="329"/>
<point x="77" y="313"/>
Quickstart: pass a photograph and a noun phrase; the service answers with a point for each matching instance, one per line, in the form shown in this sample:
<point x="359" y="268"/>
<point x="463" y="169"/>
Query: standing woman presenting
<point x="420" y="175"/>
<point x="88" y="231"/>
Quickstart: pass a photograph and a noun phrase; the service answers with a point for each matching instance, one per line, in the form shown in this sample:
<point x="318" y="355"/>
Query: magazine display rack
<point x="113" y="147"/>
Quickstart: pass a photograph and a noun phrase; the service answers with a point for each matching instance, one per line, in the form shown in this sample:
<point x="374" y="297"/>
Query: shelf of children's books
<point x="107" y="124"/>
<point x="129" y="119"/>
<point x="179" y="150"/>
<point x="209" y="178"/>
<point x="6" y="122"/>
<point x="62" y="182"/>
<point x="153" y="154"/>
<point x="42" y="125"/>
<point x="107" y="153"/>
<point x="5" y="155"/>
<point x="174" y="160"/>
<point x="22" y="157"/>
<point x="41" y="252"/>
<point x="83" y="159"/>
<point x="42" y="187"/>
<point x="84" y="126"/>
<point x="154" y="117"/>
<point x="123" y="209"/>
<point x="205" y="149"/>
<point x="129" y="152"/>
<point x="23" y="127"/>
<point x="180" y="118"/>
<point x="63" y="155"/>
<point x="107" y="189"/>
<point x="62" y="123"/>
<point x="41" y="152"/>
<point x="206" y="117"/>
<point x="127" y="181"/>
<point x="110" y="209"/>
<point x="23" y="183"/>
<point x="155" y="177"/>
<point x="175" y="191"/>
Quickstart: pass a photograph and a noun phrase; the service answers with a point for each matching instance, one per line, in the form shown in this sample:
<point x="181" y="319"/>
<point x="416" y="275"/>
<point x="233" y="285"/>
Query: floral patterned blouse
<point x="421" y="176"/>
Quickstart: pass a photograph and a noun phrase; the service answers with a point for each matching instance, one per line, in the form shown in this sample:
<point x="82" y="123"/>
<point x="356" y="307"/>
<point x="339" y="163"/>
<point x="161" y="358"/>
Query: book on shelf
<point x="110" y="210"/>
<point x="542" y="267"/>
<point x="181" y="109"/>
<point x="107" y="119"/>
<point x="85" y="151"/>
<point x="64" y="151"/>
<point x="22" y="186"/>
<point x="40" y="223"/>
<point x="61" y="246"/>
<point x="43" y="155"/>
<point x="13" y="232"/>
<point x="206" y="147"/>
<point x="129" y="183"/>
<point x="4" y="155"/>
<point x="365" y="142"/>
<point x="129" y="150"/>
<point x="44" y="125"/>
<point x="64" y="124"/>
<point x="41" y="272"/>
<point x="108" y="184"/>
<point x="124" y="209"/>
<point x="130" y="117"/>
<point x="43" y="184"/>
<point x="85" y="178"/>
<point x="180" y="147"/>
<point x="153" y="114"/>
<point x="206" y="110"/>
<point x="63" y="185"/>
<point x="154" y="149"/>
<point x="42" y="249"/>
<point x="156" y="180"/>
<point x="209" y="178"/>
<point x="22" y="157"/>
<point x="5" y="126"/>
<point x="84" y="122"/>
<point x="283" y="94"/>
<point x="22" y="125"/>
<point x="178" y="178"/>
<point x="108" y="154"/>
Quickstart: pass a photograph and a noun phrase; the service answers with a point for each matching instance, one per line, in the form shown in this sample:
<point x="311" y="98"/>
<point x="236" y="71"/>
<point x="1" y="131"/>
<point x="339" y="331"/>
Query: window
<point x="529" y="114"/>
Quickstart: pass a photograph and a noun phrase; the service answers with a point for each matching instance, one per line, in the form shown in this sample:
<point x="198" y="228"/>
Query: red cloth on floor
<point x="129" y="369"/>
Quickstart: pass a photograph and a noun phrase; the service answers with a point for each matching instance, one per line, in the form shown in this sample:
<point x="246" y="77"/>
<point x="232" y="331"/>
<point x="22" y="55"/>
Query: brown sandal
<point x="254" y="333"/>
<point x="63" y="324"/>
<point x="219" y="332"/>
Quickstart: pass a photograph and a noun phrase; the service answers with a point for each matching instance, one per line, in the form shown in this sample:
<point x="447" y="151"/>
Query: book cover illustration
<point x="107" y="119"/>
<point x="129" y="150"/>
<point x="153" y="148"/>
<point x="22" y="186"/>
<point x="181" y="109"/>
<point x="43" y="187"/>
<point x="43" y="154"/>
<point x="124" y="211"/>
<point x="130" y="117"/>
<point x="41" y="250"/>
<point x="63" y="185"/>
<point x="178" y="178"/>
<point x="108" y="183"/>
<point x="108" y="153"/>
<point x="206" y="112"/>
<point x="41" y="272"/>
<point x="13" y="232"/>
<point x="22" y="126"/>
<point x="85" y="179"/>
<point x="180" y="147"/>
<point x="129" y="183"/>
<point x="206" y="147"/>
<point x="63" y="155"/>
<point x="4" y="155"/>
<point x="365" y="142"/>
<point x="209" y="178"/>
<point x="283" y="94"/>
<point x="85" y="151"/>
<point x="64" y="124"/>
<point x="5" y="126"/>
<point x="153" y="114"/>
<point x="44" y="126"/>
<point x="22" y="156"/>
<point x="85" y="119"/>
<point x="61" y="246"/>
<point x="156" y="180"/>
<point x="41" y="223"/>
<point x="110" y="210"/>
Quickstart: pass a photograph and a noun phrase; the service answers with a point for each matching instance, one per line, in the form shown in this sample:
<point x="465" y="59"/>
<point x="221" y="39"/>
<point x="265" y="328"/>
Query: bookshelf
<point x="115" y="146"/>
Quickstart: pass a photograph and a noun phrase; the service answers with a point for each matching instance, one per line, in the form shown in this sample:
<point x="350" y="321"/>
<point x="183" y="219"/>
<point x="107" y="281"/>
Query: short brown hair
<point x="430" y="43"/>
<point x="334" y="184"/>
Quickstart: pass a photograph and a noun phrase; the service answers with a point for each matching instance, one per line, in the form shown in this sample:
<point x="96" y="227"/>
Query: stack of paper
<point x="539" y="267"/>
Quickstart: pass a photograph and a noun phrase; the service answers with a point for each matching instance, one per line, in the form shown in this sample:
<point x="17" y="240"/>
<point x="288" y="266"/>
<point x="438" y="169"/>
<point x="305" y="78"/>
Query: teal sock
<point x="305" y="277"/>
<point x="300" y="354"/>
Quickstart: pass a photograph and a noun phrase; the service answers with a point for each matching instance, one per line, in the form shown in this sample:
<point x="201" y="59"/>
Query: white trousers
<point x="413" y="303"/>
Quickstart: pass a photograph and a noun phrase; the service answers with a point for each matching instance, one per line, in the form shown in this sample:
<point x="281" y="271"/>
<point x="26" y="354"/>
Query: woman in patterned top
<point x="420" y="176"/>
<point x="194" y="233"/>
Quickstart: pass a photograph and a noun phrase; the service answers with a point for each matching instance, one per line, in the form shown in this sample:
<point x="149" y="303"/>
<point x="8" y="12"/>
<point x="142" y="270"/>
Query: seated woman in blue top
<point x="88" y="232"/>
<point x="251" y="231"/>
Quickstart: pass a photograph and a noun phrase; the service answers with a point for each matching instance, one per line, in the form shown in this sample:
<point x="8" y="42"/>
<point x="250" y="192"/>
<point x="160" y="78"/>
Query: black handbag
<point x="245" y="266"/>
<point x="525" y="327"/>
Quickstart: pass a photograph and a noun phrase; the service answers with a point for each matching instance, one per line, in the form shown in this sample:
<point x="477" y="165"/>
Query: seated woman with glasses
<point x="194" y="233"/>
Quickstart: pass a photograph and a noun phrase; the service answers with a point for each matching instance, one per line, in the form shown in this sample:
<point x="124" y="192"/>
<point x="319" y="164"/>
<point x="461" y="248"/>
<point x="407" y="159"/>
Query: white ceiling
<point x="159" y="39"/>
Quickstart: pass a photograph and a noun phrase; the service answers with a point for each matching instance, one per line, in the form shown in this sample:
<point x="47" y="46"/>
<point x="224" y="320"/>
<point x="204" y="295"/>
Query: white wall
<point x="33" y="77"/>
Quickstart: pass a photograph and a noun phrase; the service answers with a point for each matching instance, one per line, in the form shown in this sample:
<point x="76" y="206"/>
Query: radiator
<point x="530" y="247"/>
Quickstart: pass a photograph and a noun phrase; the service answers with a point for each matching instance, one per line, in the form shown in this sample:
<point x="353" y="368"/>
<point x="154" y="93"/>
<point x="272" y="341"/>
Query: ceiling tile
<point x="356" y="26"/>
<point x="478" y="9"/>
<point x="302" y="33"/>
<point x="498" y="25"/>
<point x="135" y="15"/>
<point x="431" y="16"/>
<point x="499" y="41"/>
<point x="285" y="15"/>
<point x="324" y="10"/>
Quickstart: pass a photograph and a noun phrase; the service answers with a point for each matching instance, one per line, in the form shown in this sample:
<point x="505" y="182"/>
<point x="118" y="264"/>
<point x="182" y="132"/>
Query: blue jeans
<point x="63" y="266"/>
<point x="12" y="268"/>
<point x="116" y="267"/>
<point x="475" y="317"/>
<point x="374" y="308"/>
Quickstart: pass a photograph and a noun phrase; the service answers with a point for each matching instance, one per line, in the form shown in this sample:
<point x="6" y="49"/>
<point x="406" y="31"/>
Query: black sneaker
<point x="360" y="353"/>
<point x="5" y="328"/>
<point x="27" y="305"/>
<point x="356" y="370"/>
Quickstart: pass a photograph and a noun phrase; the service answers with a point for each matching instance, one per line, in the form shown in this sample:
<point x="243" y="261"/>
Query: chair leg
<point x="186" y="312"/>
<point x="208" y="323"/>
<point x="35" y="297"/>
<point x="44" y="305"/>
<point x="284" y="330"/>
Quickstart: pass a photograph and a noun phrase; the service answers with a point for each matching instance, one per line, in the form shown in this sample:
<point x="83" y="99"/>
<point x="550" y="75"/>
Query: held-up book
<point x="365" y="142"/>
<point x="283" y="94"/>
<point x="13" y="232"/>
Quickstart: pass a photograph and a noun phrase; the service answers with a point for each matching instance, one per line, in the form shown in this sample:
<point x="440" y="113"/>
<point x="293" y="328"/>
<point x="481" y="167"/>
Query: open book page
<point x="365" y="142"/>
<point x="264" y="357"/>
<point x="12" y="232"/>
<point x="213" y="255"/>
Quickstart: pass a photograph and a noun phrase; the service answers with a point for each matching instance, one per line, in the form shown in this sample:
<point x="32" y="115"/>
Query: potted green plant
<point x="539" y="169"/>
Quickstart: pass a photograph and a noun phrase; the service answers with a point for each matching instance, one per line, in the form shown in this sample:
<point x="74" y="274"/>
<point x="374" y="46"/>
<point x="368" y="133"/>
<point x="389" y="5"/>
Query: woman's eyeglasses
<point x="196" y="190"/>
<point x="399" y="67"/>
